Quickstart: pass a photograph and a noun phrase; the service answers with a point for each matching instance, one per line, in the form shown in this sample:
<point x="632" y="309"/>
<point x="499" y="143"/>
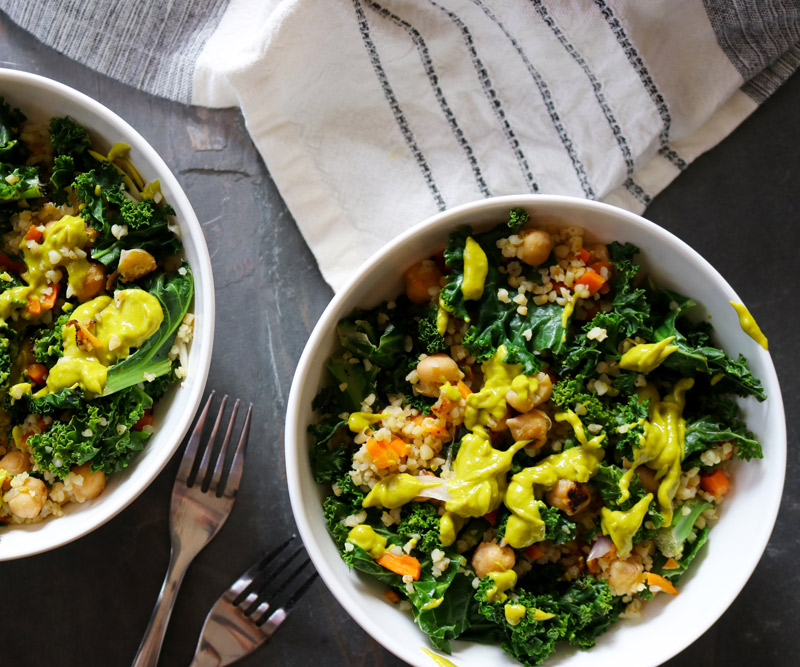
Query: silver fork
<point x="197" y="512"/>
<point x="240" y="620"/>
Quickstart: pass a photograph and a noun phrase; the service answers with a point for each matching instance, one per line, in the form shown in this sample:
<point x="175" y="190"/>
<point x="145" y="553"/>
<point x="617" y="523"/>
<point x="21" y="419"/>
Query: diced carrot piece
<point x="49" y="300"/>
<point x="671" y="564"/>
<point x="598" y="267"/>
<point x="717" y="483"/>
<point x="593" y="566"/>
<point x="145" y="420"/>
<point x="534" y="552"/>
<point x="392" y="597"/>
<point x="34" y="235"/>
<point x="491" y="517"/>
<point x="37" y="373"/>
<point x="654" y="579"/>
<point x="34" y="306"/>
<point x="592" y="280"/>
<point x="464" y="389"/>
<point x="402" y="565"/>
<point x="386" y="454"/>
<point x="583" y="255"/>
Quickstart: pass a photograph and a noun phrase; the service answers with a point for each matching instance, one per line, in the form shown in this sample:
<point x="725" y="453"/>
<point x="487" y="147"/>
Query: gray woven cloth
<point x="373" y="114"/>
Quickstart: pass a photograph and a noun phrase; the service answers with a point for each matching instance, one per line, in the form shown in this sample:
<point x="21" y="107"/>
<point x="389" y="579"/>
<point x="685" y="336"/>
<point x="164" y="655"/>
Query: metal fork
<point x="198" y="510"/>
<point x="240" y="622"/>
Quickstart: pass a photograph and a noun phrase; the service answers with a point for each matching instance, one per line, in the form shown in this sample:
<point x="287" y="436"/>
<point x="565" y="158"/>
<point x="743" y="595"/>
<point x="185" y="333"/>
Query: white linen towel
<point x="374" y="114"/>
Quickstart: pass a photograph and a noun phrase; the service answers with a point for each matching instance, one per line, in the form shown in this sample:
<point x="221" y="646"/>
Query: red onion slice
<point x="438" y="492"/>
<point x="601" y="547"/>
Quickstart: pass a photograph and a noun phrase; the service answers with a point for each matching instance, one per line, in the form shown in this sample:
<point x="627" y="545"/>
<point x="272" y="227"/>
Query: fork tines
<point x="276" y="582"/>
<point x="191" y="472"/>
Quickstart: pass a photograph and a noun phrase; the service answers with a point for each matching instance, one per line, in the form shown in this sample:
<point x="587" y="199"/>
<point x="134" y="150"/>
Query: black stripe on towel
<point x="597" y="87"/>
<point x="646" y="78"/>
<point x="494" y="101"/>
<point x="433" y="79"/>
<point x="637" y="191"/>
<point x="399" y="117"/>
<point x="547" y="98"/>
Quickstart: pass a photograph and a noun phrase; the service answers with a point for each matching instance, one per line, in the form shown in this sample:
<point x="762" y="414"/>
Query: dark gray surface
<point x="89" y="602"/>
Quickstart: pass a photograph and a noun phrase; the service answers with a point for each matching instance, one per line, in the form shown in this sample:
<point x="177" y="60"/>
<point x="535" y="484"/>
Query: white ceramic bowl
<point x="668" y="624"/>
<point x="40" y="98"/>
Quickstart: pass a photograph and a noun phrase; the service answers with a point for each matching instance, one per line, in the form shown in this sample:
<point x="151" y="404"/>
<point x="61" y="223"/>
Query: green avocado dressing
<point x="120" y="324"/>
<point x="646" y="357"/>
<point x="364" y="536"/>
<point x="622" y="526"/>
<point x="476" y="266"/>
<point x="501" y="582"/>
<point x="578" y="464"/>
<point x="662" y="446"/>
<point x="396" y="490"/>
<point x="749" y="326"/>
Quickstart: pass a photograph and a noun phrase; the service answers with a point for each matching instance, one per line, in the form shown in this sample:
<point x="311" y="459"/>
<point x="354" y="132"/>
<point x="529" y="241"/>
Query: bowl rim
<point x="202" y="343"/>
<point x="296" y="448"/>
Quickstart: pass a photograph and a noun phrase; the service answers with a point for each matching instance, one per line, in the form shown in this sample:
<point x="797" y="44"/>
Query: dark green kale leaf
<point x="451" y="297"/>
<point x="337" y="508"/>
<point x="174" y="292"/>
<point x="360" y="336"/>
<point x="688" y="556"/>
<point x="68" y="137"/>
<point x="671" y="539"/>
<point x="55" y="403"/>
<point x="19" y="182"/>
<point x="707" y="432"/>
<point x="428" y="335"/>
<point x="582" y="610"/>
<point x="48" y="345"/>
<point x="630" y="303"/>
<point x="558" y="528"/>
<point x="11" y="121"/>
<point x="517" y="219"/>
<point x="329" y="459"/>
<point x="101" y="433"/>
<point x="421" y="519"/>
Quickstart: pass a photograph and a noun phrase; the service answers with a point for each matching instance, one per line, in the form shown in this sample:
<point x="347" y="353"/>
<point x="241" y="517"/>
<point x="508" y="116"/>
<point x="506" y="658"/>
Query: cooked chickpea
<point x="91" y="486"/>
<point x="490" y="557"/>
<point x="27" y="500"/>
<point x="16" y="462"/>
<point x="93" y="283"/>
<point x="135" y="263"/>
<point x="532" y="426"/>
<point x="569" y="497"/>
<point x="648" y="478"/>
<point x="536" y="247"/>
<point x="421" y="279"/>
<point x="438" y="369"/>
<point x="624" y="576"/>
<point x="534" y="399"/>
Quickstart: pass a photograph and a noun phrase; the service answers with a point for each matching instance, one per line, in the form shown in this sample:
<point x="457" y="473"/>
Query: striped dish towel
<point x="373" y="114"/>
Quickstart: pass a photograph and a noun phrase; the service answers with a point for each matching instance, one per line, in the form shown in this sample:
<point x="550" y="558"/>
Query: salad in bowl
<point x="529" y="440"/>
<point x="94" y="313"/>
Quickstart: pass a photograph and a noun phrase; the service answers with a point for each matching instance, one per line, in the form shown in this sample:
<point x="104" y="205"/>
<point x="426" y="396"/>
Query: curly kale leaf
<point x="48" y="346"/>
<point x="11" y="121"/>
<point x="558" y="528"/>
<point x="671" y="539"/>
<point x="329" y="460"/>
<point x="451" y="296"/>
<point x="50" y="404"/>
<point x="68" y="137"/>
<point x="428" y="335"/>
<point x="101" y="433"/>
<point x="360" y="336"/>
<point x="19" y="182"/>
<point x="517" y="219"/>
<point x="422" y="520"/>
<point x="581" y="611"/>
<point x="337" y="508"/>
<point x="102" y="191"/>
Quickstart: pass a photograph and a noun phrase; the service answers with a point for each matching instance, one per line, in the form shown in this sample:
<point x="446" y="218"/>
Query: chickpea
<point x="16" y="462"/>
<point x="535" y="399"/>
<point x="489" y="557"/>
<point x="91" y="486"/>
<point x="27" y="500"/>
<point x="648" y="478"/>
<point x="438" y="369"/>
<point x="532" y="426"/>
<point x="93" y="283"/>
<point x="536" y="247"/>
<point x="624" y="576"/>
<point x="135" y="263"/>
<point x="420" y="278"/>
<point x="569" y="497"/>
<point x="599" y="252"/>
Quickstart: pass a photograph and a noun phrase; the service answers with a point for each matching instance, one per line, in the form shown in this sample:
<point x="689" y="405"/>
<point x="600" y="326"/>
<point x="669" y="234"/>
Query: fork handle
<point x="150" y="648"/>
